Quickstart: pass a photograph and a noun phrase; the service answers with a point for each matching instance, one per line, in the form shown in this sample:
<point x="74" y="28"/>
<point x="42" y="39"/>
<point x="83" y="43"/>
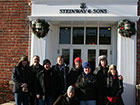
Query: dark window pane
<point x="76" y="53"/>
<point x="91" y="35"/>
<point x="78" y="35"/>
<point x="105" y="35"/>
<point x="66" y="55"/>
<point x="103" y="52"/>
<point x="65" y="35"/>
<point x="92" y="58"/>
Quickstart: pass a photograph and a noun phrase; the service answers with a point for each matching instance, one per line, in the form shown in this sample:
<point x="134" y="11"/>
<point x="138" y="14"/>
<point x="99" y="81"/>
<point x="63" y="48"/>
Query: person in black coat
<point x="36" y="67"/>
<point x="68" y="98"/>
<point x="75" y="72"/>
<point x="87" y="86"/>
<point x="101" y="74"/>
<point x="22" y="78"/>
<point x="46" y="90"/>
<point x="62" y="71"/>
<point x="114" y="87"/>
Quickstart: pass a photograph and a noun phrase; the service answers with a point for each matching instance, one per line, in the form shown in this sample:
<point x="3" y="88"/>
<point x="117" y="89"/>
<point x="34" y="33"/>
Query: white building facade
<point x="88" y="29"/>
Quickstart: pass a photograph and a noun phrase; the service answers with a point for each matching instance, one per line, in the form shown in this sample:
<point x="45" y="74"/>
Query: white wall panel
<point x="127" y="67"/>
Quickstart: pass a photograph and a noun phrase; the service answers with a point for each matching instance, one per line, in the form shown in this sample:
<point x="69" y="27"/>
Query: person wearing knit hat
<point x="87" y="68"/>
<point x="86" y="65"/>
<point x="22" y="78"/>
<point x="70" y="91"/>
<point x="77" y="59"/>
<point x="87" y="86"/>
<point x="69" y="98"/>
<point x="75" y="71"/>
<point x="46" y="61"/>
<point x="46" y="88"/>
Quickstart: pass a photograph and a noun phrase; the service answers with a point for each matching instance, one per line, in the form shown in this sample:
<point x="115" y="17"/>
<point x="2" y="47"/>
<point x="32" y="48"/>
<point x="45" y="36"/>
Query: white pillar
<point x="38" y="47"/>
<point x="126" y="62"/>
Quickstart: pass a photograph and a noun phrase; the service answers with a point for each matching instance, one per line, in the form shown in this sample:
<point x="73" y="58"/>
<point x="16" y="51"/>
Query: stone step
<point x="9" y="103"/>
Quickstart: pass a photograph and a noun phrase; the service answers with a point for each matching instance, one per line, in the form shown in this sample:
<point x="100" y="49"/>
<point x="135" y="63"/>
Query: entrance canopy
<point x="83" y="20"/>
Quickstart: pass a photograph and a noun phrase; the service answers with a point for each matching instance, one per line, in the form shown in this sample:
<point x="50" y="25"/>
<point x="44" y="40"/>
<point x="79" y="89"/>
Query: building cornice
<point x="57" y="2"/>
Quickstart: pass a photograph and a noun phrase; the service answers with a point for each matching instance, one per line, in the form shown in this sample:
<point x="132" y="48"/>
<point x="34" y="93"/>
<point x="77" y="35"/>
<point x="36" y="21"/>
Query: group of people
<point x="58" y="85"/>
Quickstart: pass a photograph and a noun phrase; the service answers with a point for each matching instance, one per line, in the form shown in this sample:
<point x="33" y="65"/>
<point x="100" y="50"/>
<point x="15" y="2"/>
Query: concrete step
<point x="9" y="103"/>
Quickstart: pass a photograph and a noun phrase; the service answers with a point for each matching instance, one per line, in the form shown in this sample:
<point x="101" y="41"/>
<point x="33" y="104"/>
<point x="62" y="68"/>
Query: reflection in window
<point x="76" y="53"/>
<point x="105" y="35"/>
<point x="91" y="35"/>
<point x="78" y="35"/>
<point x="92" y="58"/>
<point x="66" y="55"/>
<point x="103" y="52"/>
<point x="65" y="35"/>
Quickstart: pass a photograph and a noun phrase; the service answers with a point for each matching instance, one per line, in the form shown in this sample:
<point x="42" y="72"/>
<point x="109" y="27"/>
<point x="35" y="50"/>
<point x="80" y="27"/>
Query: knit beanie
<point x="77" y="59"/>
<point x="70" y="88"/>
<point x="86" y="65"/>
<point x="46" y="61"/>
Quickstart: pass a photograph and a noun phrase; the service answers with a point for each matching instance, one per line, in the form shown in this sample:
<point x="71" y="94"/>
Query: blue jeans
<point x="21" y="98"/>
<point x="88" y="102"/>
<point x="49" y="101"/>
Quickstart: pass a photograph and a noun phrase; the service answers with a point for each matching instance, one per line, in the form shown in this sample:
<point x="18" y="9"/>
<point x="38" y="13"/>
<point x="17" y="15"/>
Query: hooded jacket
<point x="22" y="75"/>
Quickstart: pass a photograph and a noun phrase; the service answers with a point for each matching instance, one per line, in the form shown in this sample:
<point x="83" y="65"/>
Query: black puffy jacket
<point x="87" y="87"/>
<point x="74" y="74"/>
<point x="41" y="89"/>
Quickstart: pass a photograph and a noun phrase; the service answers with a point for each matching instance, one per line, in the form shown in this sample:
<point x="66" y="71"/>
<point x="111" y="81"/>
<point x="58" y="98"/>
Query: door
<point x="88" y="43"/>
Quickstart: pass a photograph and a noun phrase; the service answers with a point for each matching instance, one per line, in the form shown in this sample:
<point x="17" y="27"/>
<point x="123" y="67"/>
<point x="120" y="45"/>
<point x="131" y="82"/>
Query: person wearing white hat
<point x="101" y="74"/>
<point x="69" y="98"/>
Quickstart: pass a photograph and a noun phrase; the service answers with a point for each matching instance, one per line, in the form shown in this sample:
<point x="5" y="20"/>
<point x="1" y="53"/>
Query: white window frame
<point x="84" y="47"/>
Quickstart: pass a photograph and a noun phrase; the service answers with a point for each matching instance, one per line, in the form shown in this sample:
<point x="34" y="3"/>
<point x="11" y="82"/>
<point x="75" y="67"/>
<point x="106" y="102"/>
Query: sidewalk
<point x="9" y="103"/>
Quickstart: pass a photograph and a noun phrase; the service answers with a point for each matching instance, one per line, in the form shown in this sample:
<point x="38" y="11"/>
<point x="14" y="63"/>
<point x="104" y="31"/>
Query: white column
<point x="126" y="62"/>
<point x="38" y="47"/>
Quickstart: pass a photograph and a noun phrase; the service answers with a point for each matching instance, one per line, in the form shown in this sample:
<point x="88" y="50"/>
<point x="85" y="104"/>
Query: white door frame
<point x="84" y="48"/>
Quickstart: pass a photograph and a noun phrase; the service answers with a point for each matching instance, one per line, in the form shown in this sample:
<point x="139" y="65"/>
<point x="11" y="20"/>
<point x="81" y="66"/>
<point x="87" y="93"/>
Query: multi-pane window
<point x="92" y="58"/>
<point x="85" y="35"/>
<point x="105" y="35"/>
<point x="76" y="53"/>
<point x="91" y="35"/>
<point x="78" y="35"/>
<point x="66" y="55"/>
<point x="65" y="35"/>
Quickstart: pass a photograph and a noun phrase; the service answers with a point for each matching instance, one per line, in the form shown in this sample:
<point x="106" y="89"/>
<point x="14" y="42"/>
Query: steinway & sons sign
<point x="83" y="10"/>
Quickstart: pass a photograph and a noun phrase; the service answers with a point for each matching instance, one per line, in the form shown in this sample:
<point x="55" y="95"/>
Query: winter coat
<point x="21" y="75"/>
<point x="87" y="87"/>
<point x="35" y="70"/>
<point x="114" y="89"/>
<point x="74" y="74"/>
<point x="62" y="77"/>
<point x="101" y="75"/>
<point x="41" y="89"/>
<point x="62" y="100"/>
